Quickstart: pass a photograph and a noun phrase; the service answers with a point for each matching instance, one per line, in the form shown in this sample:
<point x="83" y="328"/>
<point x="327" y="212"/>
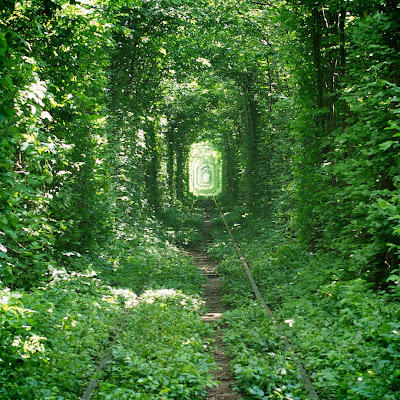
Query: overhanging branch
<point x="259" y="29"/>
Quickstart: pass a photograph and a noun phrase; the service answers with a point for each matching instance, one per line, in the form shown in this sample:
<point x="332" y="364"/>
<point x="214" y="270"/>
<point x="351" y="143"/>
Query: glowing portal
<point x="205" y="170"/>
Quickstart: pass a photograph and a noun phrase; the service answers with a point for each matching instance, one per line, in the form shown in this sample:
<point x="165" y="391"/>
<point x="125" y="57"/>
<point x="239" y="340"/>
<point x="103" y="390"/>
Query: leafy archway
<point x="205" y="170"/>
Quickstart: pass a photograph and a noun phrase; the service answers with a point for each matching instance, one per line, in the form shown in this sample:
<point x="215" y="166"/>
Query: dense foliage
<point x="262" y="366"/>
<point x="161" y="355"/>
<point x="346" y="334"/>
<point x="100" y="101"/>
<point x="54" y="337"/>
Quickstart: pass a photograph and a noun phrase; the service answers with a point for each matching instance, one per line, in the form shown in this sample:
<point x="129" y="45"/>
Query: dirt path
<point x="216" y="308"/>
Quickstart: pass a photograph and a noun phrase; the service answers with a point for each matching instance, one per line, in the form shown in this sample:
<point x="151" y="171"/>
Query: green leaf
<point x="386" y="145"/>
<point x="393" y="278"/>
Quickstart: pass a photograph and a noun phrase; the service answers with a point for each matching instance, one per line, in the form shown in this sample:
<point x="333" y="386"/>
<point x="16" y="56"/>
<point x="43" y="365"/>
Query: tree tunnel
<point x="205" y="170"/>
<point x="116" y="115"/>
<point x="98" y="120"/>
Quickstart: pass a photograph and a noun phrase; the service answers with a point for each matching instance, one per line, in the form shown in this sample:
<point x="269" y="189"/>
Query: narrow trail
<point x="215" y="307"/>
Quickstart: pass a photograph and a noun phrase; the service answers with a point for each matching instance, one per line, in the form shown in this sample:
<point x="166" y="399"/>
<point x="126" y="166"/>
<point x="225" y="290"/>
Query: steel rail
<point x="104" y="363"/>
<point x="289" y="348"/>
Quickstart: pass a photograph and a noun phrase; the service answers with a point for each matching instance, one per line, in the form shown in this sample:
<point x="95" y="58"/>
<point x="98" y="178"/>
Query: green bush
<point x="346" y="333"/>
<point x="261" y="365"/>
<point x="53" y="338"/>
<point x="162" y="353"/>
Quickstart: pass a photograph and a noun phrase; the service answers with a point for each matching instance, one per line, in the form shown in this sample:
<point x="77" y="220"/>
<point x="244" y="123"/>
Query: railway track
<point x="216" y="309"/>
<point x="302" y="374"/>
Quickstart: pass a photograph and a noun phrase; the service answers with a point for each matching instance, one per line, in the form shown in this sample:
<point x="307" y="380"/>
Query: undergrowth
<point x="161" y="353"/>
<point x="346" y="333"/>
<point x="261" y="365"/>
<point x="182" y="226"/>
<point x="136" y="288"/>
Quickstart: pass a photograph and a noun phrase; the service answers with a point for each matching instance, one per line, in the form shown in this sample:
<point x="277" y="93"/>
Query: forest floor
<point x="138" y="304"/>
<point x="215" y="308"/>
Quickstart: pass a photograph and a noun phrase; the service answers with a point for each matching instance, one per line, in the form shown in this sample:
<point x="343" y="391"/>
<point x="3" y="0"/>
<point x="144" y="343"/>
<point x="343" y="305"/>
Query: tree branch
<point x="261" y="4"/>
<point x="265" y="37"/>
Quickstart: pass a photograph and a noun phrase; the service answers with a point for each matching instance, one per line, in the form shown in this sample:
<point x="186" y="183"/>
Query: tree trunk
<point x="170" y="161"/>
<point x="179" y="175"/>
<point x="251" y="145"/>
<point x="231" y="170"/>
<point x="152" y="189"/>
<point x="316" y="36"/>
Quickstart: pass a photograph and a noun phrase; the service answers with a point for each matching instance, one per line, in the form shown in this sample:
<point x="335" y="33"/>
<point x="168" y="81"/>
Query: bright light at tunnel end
<point x="205" y="170"/>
